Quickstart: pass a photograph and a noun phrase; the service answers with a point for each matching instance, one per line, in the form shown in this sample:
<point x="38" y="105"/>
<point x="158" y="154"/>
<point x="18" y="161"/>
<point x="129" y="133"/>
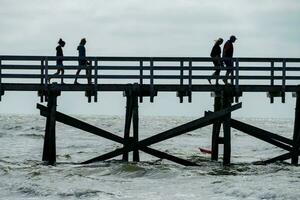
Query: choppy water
<point x="24" y="176"/>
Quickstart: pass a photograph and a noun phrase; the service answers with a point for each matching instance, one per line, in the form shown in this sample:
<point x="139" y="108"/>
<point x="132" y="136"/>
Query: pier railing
<point x="249" y="74"/>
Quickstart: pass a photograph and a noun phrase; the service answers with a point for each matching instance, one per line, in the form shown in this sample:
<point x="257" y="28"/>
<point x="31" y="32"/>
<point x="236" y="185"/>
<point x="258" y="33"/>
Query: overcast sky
<point x="264" y="28"/>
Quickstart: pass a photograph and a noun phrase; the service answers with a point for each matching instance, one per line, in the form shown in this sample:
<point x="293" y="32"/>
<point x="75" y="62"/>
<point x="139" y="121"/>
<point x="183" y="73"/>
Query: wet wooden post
<point x="296" y="136"/>
<point x="49" y="151"/>
<point x="132" y="95"/>
<point x="216" y="130"/>
<point x="135" y="121"/>
<point x="227" y="100"/>
<point x="128" y="117"/>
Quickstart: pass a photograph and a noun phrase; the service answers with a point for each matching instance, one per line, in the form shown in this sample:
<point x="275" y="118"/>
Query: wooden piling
<point x="227" y="100"/>
<point x="135" y="122"/>
<point x="128" y="117"/>
<point x="49" y="151"/>
<point x="132" y="95"/>
<point x="296" y="135"/>
<point x="216" y="131"/>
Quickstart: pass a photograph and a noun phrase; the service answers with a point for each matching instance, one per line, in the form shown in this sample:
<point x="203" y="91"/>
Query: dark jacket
<point x="81" y="54"/>
<point x="228" y="49"/>
<point x="216" y="51"/>
<point x="59" y="52"/>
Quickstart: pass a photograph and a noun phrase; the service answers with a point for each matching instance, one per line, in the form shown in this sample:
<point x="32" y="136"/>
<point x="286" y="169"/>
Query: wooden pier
<point x="140" y="77"/>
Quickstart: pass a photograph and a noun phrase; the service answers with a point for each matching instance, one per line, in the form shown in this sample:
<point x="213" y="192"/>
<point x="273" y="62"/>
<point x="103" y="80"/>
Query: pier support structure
<point x="49" y="150"/>
<point x="223" y="99"/>
<point x="131" y="143"/>
<point x="132" y="117"/>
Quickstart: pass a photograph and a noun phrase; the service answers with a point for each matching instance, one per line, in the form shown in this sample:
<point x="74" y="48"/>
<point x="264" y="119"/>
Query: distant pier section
<point x="143" y="78"/>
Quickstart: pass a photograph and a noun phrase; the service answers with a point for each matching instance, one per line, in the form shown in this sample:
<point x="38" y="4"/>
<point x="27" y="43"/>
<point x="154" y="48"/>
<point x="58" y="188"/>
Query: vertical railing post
<point x="237" y="84"/>
<point x="1" y="79"/>
<point x="151" y="80"/>
<point x="42" y="78"/>
<point x="272" y="80"/>
<point x="46" y="72"/>
<point x="190" y="82"/>
<point x="96" y="80"/>
<point x="141" y="80"/>
<point x="283" y="81"/>
<point x="181" y="79"/>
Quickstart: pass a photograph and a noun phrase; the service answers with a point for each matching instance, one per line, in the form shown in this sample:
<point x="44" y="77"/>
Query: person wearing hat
<point x="82" y="61"/>
<point x="59" y="61"/>
<point x="227" y="57"/>
<point x="216" y="58"/>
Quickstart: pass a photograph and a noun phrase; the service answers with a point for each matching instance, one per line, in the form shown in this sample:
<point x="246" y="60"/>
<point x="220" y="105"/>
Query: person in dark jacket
<point x="82" y="61"/>
<point x="227" y="57"/>
<point x="59" y="61"/>
<point x="216" y="57"/>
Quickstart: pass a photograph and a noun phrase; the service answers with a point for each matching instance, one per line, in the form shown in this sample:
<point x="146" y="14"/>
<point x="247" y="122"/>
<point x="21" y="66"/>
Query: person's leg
<point x="88" y="74"/>
<point x="217" y="73"/>
<point x="76" y="76"/>
<point x="228" y="70"/>
<point x="62" y="74"/>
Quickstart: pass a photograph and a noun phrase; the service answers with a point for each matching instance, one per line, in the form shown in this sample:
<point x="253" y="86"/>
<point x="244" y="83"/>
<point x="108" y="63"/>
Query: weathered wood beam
<point x="296" y="135"/>
<point x="227" y="140"/>
<point x="128" y="117"/>
<point x="190" y="126"/>
<point x="135" y="122"/>
<point x="261" y="134"/>
<point x="107" y="156"/>
<point x="280" y="158"/>
<point x="49" y="150"/>
<point x="65" y="119"/>
<point x="166" y="156"/>
<point x="216" y="131"/>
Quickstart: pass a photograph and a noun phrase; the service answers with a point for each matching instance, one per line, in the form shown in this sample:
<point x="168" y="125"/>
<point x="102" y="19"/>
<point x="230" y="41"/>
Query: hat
<point x="233" y="37"/>
<point x="82" y="41"/>
<point x="219" y="40"/>
<point x="61" y="41"/>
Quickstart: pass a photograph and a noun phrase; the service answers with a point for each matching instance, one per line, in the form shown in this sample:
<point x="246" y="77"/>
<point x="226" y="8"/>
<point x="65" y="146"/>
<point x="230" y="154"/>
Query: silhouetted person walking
<point x="59" y="61"/>
<point x="216" y="56"/>
<point x="82" y="61"/>
<point x="227" y="55"/>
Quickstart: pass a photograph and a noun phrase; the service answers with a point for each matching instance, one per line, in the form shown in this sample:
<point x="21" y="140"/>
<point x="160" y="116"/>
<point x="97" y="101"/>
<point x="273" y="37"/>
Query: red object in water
<point x="205" y="150"/>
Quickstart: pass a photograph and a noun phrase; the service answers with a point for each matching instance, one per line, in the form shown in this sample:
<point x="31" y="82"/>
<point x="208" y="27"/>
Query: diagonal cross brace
<point x="280" y="158"/>
<point x="261" y="134"/>
<point x="99" y="132"/>
<point x="190" y="126"/>
<point x="65" y="119"/>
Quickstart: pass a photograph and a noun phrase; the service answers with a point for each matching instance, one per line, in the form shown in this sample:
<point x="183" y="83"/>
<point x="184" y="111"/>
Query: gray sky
<point x="265" y="28"/>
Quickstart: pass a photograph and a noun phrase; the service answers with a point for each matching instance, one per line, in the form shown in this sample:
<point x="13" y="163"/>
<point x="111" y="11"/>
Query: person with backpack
<point x="216" y="58"/>
<point x="227" y="57"/>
